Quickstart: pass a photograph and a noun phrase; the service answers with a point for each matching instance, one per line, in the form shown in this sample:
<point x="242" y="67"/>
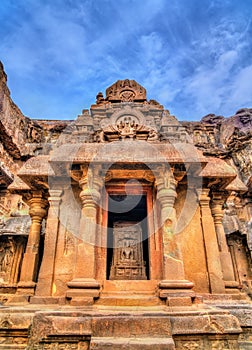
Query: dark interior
<point x="127" y="208"/>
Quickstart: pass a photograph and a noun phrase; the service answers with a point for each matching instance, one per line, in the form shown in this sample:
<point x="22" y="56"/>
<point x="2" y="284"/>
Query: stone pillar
<point x="29" y="270"/>
<point x="84" y="287"/>
<point x="216" y="283"/>
<point x="46" y="273"/>
<point x="174" y="283"/>
<point x="225" y="256"/>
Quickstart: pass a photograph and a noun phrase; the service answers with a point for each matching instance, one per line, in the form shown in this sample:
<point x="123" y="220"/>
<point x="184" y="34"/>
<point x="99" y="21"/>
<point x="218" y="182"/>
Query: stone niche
<point x="13" y="240"/>
<point x="127" y="261"/>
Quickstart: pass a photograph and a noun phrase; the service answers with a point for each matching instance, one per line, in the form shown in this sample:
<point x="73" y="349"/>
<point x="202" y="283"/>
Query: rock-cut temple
<point x="125" y="228"/>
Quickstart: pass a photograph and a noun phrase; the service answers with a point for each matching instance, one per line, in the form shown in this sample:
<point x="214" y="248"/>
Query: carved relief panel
<point x="127" y="260"/>
<point x="11" y="253"/>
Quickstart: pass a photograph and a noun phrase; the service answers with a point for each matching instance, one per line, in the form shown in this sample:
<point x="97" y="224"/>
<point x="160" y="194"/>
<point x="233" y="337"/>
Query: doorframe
<point x="154" y="248"/>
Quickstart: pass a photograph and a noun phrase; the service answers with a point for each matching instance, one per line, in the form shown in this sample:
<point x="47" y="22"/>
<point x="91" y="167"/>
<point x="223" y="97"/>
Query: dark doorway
<point x="125" y="208"/>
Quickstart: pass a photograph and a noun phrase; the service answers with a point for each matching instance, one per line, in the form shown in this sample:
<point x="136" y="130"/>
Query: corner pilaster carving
<point x="173" y="268"/>
<point x="84" y="287"/>
<point x="38" y="210"/>
<point x="216" y="283"/>
<point x="46" y="274"/>
<point x="216" y="206"/>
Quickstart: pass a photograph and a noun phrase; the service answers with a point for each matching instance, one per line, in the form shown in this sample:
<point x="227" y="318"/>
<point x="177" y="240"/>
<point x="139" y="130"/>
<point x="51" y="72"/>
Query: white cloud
<point x="192" y="59"/>
<point x="242" y="87"/>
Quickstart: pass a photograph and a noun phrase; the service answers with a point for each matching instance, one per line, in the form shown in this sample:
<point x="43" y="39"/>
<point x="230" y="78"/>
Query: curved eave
<point x="128" y="152"/>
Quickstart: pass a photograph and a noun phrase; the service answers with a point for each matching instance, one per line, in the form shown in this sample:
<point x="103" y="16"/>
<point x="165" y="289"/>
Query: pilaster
<point x="174" y="285"/>
<point x="46" y="273"/>
<point x="84" y="287"/>
<point x="215" y="275"/>
<point x="216" y="205"/>
<point x="38" y="209"/>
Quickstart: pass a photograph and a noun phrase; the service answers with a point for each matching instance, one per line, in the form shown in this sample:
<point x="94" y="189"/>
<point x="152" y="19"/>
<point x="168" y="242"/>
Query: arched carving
<point x="126" y="91"/>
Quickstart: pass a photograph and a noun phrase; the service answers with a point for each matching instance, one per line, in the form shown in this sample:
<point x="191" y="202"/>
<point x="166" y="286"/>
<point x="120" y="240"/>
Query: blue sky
<point x="193" y="56"/>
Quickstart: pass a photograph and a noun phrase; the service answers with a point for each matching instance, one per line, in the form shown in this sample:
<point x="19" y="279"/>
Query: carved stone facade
<point x="125" y="228"/>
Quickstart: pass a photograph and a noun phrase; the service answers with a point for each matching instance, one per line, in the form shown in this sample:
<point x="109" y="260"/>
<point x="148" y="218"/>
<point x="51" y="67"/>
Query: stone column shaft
<point x="216" y="282"/>
<point x="84" y="287"/>
<point x="173" y="267"/>
<point x="225" y="256"/>
<point x="29" y="270"/>
<point x="46" y="274"/>
<point x="85" y="265"/>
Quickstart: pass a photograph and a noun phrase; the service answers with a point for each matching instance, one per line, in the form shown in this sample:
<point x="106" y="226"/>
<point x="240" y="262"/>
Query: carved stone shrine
<point x="127" y="262"/>
<point x="125" y="228"/>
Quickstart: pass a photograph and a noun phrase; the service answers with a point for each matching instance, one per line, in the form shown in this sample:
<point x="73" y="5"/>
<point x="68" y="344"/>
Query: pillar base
<point x="176" y="293"/>
<point x="83" y="291"/>
<point x="47" y="300"/>
<point x="232" y="287"/>
<point x="26" y="288"/>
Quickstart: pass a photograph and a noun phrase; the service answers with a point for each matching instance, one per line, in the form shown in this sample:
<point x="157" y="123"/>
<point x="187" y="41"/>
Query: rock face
<point x="125" y="228"/>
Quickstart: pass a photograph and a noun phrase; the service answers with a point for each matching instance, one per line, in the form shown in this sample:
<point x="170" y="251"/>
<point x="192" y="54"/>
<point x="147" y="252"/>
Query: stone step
<point x="130" y="286"/>
<point x="132" y="343"/>
<point x="152" y="324"/>
<point x="129" y="300"/>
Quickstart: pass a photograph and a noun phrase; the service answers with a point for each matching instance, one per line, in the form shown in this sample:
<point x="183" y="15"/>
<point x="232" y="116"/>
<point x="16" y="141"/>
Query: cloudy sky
<point x="193" y="56"/>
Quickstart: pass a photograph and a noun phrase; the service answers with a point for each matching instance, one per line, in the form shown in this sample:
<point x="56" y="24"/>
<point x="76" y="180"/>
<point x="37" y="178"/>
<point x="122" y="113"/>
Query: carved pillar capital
<point x="89" y="197"/>
<point x="166" y="196"/>
<point x="216" y="206"/>
<point x="166" y="188"/>
<point x="90" y="183"/>
<point x="55" y="197"/>
<point x="38" y="207"/>
<point x="203" y="196"/>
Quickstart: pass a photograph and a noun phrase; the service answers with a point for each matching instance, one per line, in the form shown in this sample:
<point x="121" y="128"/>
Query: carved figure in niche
<point x="127" y="253"/>
<point x="6" y="255"/>
<point x="127" y="262"/>
<point x="153" y="135"/>
<point x="197" y="137"/>
<point x="231" y="221"/>
<point x="127" y="129"/>
<point x="211" y="138"/>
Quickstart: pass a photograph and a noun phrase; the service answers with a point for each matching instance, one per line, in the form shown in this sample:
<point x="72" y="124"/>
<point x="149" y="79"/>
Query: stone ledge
<point x="132" y="343"/>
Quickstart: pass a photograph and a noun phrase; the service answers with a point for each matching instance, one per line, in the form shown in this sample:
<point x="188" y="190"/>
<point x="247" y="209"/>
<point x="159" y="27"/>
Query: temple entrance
<point x="127" y="238"/>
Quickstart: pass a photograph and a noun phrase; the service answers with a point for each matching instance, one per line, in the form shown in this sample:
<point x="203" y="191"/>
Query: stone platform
<point x="99" y="327"/>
